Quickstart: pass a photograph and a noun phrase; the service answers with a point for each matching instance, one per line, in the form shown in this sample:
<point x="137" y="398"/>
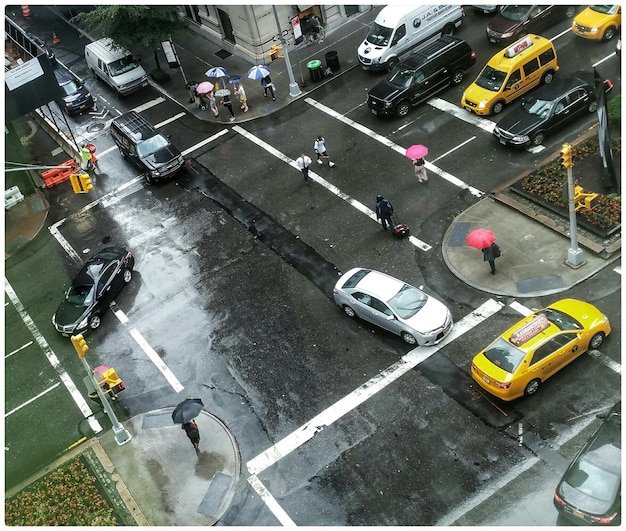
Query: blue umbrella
<point x="216" y="71"/>
<point x="235" y="79"/>
<point x="258" y="72"/>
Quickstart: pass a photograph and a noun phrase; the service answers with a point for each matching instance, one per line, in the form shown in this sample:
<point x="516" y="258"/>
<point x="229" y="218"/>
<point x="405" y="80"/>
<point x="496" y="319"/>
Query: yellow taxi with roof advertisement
<point x="537" y="347"/>
<point x="598" y="22"/>
<point x="510" y="73"/>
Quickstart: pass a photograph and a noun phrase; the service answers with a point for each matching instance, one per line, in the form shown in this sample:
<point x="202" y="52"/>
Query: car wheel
<point x="609" y="33"/>
<point x="596" y="340"/>
<point x="448" y="29"/>
<point x="94" y="321"/>
<point x="571" y="11"/>
<point x="457" y="77"/>
<point x="403" y="109"/>
<point x="537" y="139"/>
<point x="548" y="76"/>
<point x="408" y="338"/>
<point x="349" y="311"/>
<point x="593" y="106"/>
<point x="127" y="275"/>
<point x="392" y="63"/>
<point x="497" y="107"/>
<point x="532" y="387"/>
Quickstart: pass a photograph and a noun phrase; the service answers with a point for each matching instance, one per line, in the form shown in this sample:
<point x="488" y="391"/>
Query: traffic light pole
<point x="574" y="254"/>
<point x="294" y="89"/>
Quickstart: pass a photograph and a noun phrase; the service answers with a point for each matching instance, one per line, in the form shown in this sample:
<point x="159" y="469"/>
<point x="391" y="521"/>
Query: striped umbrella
<point x="216" y="71"/>
<point x="258" y="72"/>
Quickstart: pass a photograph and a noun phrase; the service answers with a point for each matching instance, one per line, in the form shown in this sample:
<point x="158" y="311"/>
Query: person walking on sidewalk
<point x="320" y="151"/>
<point x="267" y="84"/>
<point x="241" y="95"/>
<point x="213" y="103"/>
<point x="229" y="105"/>
<point x="420" y="170"/>
<point x="384" y="212"/>
<point x="303" y="162"/>
<point x="192" y="431"/>
<point x="191" y="87"/>
<point x="490" y="254"/>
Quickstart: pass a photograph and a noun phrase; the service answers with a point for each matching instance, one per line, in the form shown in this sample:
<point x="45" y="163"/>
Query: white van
<point x="400" y="29"/>
<point x="115" y="66"/>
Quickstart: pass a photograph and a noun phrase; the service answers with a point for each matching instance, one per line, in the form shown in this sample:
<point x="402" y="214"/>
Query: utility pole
<point x="294" y="89"/>
<point x="574" y="254"/>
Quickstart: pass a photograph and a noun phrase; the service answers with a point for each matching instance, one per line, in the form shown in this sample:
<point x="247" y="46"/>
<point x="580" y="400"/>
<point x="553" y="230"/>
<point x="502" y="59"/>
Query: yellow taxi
<point x="538" y="346"/>
<point x="598" y="22"/>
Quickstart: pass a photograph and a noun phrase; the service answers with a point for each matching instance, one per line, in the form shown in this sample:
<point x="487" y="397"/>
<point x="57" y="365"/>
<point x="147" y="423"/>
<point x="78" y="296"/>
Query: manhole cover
<point x="94" y="128"/>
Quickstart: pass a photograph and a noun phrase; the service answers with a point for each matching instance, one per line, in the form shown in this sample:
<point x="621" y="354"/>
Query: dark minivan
<point x="145" y="147"/>
<point x="76" y="97"/>
<point x="424" y="73"/>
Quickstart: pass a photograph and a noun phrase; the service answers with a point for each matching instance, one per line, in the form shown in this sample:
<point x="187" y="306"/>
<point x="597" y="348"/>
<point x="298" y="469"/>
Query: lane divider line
<point x="270" y="501"/>
<point x="32" y="399"/>
<point x="323" y="182"/>
<point x="204" y="142"/>
<point x="392" y="145"/>
<point x="307" y="431"/>
<point x="26" y="345"/>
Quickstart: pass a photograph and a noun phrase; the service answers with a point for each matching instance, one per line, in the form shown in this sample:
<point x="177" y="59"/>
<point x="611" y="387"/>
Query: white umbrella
<point x="258" y="72"/>
<point x="216" y="71"/>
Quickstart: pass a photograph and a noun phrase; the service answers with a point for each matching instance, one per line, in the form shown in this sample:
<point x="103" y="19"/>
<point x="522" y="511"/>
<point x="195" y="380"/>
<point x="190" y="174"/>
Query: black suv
<point x="76" y="98"/>
<point x="423" y="74"/>
<point x="146" y="148"/>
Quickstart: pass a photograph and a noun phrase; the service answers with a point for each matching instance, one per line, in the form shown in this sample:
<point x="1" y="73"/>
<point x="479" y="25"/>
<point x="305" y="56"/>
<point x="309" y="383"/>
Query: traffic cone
<point x="55" y="39"/>
<point x="25" y="11"/>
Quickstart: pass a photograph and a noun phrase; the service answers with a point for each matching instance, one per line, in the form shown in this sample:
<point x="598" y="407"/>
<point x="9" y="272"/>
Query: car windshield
<point x="401" y="78"/>
<point x="535" y="106"/>
<point x="562" y="320"/>
<point x="150" y="145"/>
<point x="408" y="301"/>
<point x="504" y="355"/>
<point x="379" y="35"/>
<point x="605" y="10"/>
<point x="514" y="13"/>
<point x="123" y="65"/>
<point x="70" y="88"/>
<point x="81" y="295"/>
<point x="491" y="79"/>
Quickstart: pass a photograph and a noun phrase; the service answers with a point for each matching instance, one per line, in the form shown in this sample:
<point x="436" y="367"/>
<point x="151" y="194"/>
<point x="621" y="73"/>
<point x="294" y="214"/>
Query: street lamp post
<point x="574" y="253"/>
<point x="294" y="89"/>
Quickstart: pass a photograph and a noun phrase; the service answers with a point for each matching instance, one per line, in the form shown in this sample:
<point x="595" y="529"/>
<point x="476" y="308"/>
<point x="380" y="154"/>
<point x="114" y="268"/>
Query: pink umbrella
<point x="417" y="151"/>
<point x="480" y="238"/>
<point x="204" y="88"/>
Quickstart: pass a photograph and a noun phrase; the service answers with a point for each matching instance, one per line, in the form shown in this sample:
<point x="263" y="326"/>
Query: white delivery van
<point x="115" y="66"/>
<point x="398" y="30"/>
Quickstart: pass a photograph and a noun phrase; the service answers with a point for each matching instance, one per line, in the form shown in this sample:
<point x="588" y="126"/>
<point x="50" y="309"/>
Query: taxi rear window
<point x="504" y="355"/>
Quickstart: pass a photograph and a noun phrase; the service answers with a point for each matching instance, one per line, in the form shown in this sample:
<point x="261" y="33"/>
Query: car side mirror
<point x="391" y="317"/>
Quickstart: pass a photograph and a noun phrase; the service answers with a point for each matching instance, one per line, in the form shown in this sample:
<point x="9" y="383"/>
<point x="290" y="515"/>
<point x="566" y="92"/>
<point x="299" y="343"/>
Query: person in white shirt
<point x="320" y="151"/>
<point x="303" y="163"/>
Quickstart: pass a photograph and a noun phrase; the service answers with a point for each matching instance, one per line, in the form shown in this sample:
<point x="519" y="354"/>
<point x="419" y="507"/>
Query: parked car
<point x="393" y="305"/>
<point x="147" y="149"/>
<point x="98" y="282"/>
<point x="537" y="347"/>
<point x="515" y="21"/>
<point x="423" y="74"/>
<point x="548" y="109"/>
<point x="598" y="22"/>
<point x="589" y="492"/>
<point x="77" y="98"/>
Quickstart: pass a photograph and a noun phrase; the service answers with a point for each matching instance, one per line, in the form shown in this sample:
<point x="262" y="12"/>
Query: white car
<point x="393" y="305"/>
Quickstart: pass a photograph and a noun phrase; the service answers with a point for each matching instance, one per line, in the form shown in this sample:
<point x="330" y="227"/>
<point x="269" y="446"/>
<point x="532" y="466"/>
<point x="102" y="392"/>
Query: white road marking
<point x="270" y="501"/>
<point x="118" y="313"/>
<point x="605" y="59"/>
<point x="462" y="114"/>
<point x="204" y="142"/>
<point x="618" y="270"/>
<point x="521" y="308"/>
<point x="170" y="120"/>
<point x="56" y="234"/>
<point x="32" y="399"/>
<point x="613" y="365"/>
<point x="52" y="359"/>
<point x="149" y="104"/>
<point x="561" y="34"/>
<point x="323" y="182"/>
<point x="158" y="362"/>
<point x="392" y="145"/>
<point x="307" y="431"/>
<point x="454" y="149"/>
<point x="19" y="349"/>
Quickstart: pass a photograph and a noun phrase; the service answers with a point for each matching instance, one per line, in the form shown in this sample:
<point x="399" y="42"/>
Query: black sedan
<point x="515" y="21"/>
<point x="92" y="290"/>
<point x="547" y="109"/>
<point x="590" y="491"/>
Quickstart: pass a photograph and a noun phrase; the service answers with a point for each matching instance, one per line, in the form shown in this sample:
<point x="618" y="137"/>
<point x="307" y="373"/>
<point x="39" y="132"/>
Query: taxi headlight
<point x="482" y="104"/>
<point x="593" y="30"/>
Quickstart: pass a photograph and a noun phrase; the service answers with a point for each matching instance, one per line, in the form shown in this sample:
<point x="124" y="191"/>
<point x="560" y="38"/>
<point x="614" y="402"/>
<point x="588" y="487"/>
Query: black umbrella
<point x="187" y="410"/>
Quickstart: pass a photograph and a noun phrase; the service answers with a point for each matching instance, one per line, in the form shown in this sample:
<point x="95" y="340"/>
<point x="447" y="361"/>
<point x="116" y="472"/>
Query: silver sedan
<point x="393" y="305"/>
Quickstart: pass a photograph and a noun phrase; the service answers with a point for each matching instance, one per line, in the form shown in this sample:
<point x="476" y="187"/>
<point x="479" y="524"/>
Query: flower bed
<point x="67" y="496"/>
<point x="546" y="185"/>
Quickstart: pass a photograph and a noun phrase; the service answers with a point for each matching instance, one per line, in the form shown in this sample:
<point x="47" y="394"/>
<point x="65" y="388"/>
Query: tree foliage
<point x="129" y="25"/>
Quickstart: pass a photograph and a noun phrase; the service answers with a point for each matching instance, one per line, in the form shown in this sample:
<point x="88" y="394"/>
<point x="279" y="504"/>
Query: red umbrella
<point x="417" y="151"/>
<point x="480" y="238"/>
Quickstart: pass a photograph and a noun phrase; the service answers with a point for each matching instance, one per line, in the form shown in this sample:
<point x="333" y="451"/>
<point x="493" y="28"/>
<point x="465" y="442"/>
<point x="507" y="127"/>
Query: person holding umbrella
<point x="192" y="431"/>
<point x="262" y="72"/>
<point x="417" y="153"/>
<point x="485" y="240"/>
<point x="184" y="413"/>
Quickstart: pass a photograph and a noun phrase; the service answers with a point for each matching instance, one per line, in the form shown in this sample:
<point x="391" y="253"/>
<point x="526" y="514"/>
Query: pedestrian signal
<point x="75" y="183"/>
<point x="274" y="52"/>
<point x="566" y="156"/>
<point x="85" y="181"/>
<point x="80" y="345"/>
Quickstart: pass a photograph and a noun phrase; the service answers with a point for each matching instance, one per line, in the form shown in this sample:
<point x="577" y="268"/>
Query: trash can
<point x="332" y="61"/>
<point x="315" y="69"/>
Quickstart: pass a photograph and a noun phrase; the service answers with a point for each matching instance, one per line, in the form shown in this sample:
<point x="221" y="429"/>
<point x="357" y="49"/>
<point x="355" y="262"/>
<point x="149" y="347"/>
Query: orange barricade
<point x="59" y="175"/>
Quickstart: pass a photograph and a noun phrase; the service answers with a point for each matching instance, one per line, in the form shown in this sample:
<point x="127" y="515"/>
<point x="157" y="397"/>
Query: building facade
<point x="250" y="31"/>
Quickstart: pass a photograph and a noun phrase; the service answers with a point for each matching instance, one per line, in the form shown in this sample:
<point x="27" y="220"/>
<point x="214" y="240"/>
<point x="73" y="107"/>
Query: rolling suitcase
<point x="401" y="230"/>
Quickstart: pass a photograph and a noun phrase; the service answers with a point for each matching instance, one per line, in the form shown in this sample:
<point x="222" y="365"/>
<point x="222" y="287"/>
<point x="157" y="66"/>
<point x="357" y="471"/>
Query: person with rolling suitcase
<point x="384" y="212"/>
